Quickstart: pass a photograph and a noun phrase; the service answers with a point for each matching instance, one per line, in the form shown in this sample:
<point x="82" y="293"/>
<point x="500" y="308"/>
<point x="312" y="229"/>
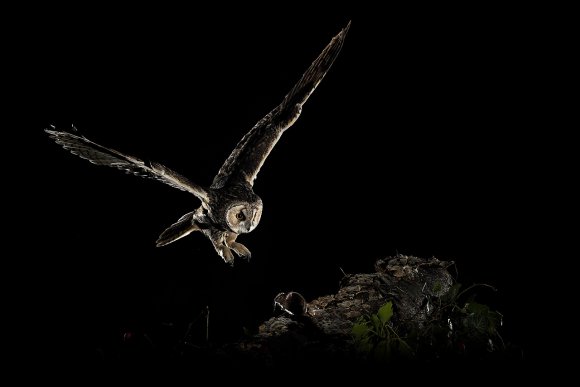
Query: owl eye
<point x="240" y="216"/>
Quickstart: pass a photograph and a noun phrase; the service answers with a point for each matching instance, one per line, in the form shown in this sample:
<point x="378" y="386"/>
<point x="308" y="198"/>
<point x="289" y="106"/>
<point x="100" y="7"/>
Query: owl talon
<point x="226" y="254"/>
<point x="241" y="250"/>
<point x="247" y="257"/>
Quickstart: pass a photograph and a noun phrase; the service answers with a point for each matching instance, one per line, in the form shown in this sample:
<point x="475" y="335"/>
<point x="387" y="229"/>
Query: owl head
<point x="243" y="217"/>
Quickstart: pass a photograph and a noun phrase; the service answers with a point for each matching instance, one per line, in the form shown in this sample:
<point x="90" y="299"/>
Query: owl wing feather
<point x="247" y="158"/>
<point x="99" y="155"/>
<point x="183" y="227"/>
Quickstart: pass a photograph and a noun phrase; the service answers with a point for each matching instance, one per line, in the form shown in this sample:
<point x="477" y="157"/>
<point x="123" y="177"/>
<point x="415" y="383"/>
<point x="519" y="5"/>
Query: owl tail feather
<point x="178" y="230"/>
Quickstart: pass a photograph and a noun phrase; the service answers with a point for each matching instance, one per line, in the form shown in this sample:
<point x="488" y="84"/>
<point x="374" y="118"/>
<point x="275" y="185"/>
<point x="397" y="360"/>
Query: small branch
<point x="207" y="323"/>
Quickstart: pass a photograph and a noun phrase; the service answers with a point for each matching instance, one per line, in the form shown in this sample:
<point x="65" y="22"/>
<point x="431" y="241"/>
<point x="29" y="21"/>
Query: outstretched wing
<point x="247" y="158"/>
<point x="97" y="154"/>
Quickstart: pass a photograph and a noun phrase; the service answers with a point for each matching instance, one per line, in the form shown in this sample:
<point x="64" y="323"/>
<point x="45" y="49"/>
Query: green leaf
<point x="437" y="287"/>
<point x="360" y="330"/>
<point x="474" y="307"/>
<point x="386" y="312"/>
<point x="376" y="323"/>
<point x="480" y="319"/>
<point x="451" y="295"/>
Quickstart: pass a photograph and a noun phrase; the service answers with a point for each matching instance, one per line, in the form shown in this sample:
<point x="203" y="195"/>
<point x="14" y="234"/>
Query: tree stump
<point x="322" y="329"/>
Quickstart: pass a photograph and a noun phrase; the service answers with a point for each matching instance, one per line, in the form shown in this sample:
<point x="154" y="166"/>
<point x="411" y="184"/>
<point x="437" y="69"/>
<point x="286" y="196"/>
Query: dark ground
<point x="417" y="130"/>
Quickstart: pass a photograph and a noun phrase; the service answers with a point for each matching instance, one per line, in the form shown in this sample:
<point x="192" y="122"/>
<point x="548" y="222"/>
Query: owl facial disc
<point x="243" y="218"/>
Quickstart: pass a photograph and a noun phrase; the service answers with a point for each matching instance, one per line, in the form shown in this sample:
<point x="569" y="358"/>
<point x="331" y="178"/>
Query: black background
<point x="414" y="143"/>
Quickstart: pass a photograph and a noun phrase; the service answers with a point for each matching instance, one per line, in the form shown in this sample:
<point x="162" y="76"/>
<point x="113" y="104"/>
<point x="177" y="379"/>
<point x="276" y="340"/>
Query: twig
<point x="207" y="323"/>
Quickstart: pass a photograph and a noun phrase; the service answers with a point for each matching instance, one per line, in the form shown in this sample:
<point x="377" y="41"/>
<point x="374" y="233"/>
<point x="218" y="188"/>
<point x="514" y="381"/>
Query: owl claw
<point x="225" y="242"/>
<point x="226" y="255"/>
<point x="241" y="250"/>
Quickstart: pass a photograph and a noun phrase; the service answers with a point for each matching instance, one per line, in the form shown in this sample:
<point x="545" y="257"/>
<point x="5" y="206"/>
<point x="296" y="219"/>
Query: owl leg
<point x="218" y="239"/>
<point x="238" y="248"/>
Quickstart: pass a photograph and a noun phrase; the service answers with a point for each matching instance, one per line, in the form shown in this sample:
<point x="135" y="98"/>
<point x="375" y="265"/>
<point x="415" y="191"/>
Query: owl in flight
<point x="229" y="206"/>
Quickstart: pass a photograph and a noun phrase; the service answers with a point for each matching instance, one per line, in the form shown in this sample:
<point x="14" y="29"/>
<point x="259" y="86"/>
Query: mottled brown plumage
<point x="229" y="206"/>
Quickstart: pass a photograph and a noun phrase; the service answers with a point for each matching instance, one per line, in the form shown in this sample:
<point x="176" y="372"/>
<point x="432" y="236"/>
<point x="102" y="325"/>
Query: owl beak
<point x="252" y="223"/>
<point x="254" y="214"/>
